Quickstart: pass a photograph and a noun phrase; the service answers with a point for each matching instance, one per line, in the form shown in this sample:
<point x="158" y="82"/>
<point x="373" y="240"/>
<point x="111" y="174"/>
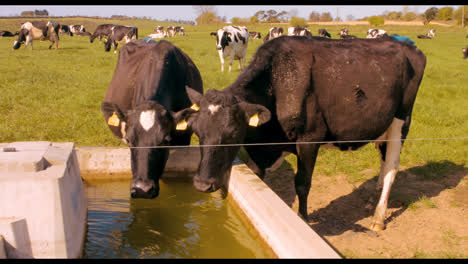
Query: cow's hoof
<point x="377" y="226"/>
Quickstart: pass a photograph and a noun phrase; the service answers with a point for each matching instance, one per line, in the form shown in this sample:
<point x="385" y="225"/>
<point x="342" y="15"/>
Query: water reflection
<point x="180" y="223"/>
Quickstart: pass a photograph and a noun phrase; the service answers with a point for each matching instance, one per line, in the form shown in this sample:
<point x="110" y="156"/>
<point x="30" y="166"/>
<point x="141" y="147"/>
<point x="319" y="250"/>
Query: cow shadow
<point x="344" y="212"/>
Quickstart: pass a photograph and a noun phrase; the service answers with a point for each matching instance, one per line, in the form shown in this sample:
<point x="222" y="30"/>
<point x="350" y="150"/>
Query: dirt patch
<point x="425" y="218"/>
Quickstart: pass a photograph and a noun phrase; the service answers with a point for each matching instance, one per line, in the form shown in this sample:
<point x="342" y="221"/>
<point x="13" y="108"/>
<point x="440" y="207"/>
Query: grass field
<point x="55" y="95"/>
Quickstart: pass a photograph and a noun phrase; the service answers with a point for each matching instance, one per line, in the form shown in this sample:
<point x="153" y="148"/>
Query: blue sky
<point x="187" y="12"/>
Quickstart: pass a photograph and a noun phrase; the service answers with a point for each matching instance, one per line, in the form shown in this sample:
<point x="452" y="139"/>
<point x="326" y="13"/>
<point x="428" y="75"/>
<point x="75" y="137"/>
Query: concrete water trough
<point x="43" y="212"/>
<point x="277" y="224"/>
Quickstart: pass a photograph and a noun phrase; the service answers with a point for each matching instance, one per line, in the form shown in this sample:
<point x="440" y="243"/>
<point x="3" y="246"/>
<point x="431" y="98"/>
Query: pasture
<point x="55" y="95"/>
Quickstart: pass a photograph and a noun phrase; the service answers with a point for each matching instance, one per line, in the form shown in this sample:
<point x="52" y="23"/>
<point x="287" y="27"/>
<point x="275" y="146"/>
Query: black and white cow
<point x="465" y="52"/>
<point x="148" y="86"/>
<point x="323" y="33"/>
<point x="179" y="31"/>
<point x="170" y="32"/>
<point x="344" y="34"/>
<point x="158" y="29"/>
<point x="376" y="33"/>
<point x="430" y="34"/>
<point x="77" y="28"/>
<point x="158" y="35"/>
<point x="103" y="30"/>
<point x="65" y="29"/>
<point x="286" y="95"/>
<point x="255" y="35"/>
<point x="38" y="30"/>
<point x="273" y="32"/>
<point x="120" y="34"/>
<point x="5" y="33"/>
<point x="298" y="31"/>
<point x="232" y="41"/>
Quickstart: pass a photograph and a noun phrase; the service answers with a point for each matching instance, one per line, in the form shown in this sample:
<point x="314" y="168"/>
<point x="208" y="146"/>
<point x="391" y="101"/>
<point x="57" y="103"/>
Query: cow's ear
<point x="213" y="34"/>
<point x="184" y="118"/>
<point x="255" y="114"/>
<point x="112" y="113"/>
<point x="194" y="96"/>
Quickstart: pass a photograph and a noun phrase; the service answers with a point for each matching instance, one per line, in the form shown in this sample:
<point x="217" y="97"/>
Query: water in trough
<point x="180" y="223"/>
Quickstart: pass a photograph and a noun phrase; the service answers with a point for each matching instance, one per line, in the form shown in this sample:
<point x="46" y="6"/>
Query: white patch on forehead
<point x="147" y="119"/>
<point x="213" y="108"/>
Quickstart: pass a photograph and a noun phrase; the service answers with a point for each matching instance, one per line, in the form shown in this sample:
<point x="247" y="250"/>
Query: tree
<point x="458" y="15"/>
<point x="326" y="17"/>
<point x="394" y="15"/>
<point x="272" y="16"/>
<point x="338" y="19"/>
<point x="254" y="20"/>
<point x="409" y="16"/>
<point x="314" y="16"/>
<point x="445" y="13"/>
<point x="207" y="15"/>
<point x="298" y="22"/>
<point x="430" y="14"/>
<point x="376" y="21"/>
<point x="261" y="15"/>
<point x="27" y="13"/>
<point x="283" y="16"/>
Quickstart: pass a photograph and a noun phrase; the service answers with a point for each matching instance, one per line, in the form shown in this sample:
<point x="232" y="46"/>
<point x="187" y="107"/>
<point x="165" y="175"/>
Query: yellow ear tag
<point x="195" y="107"/>
<point x="182" y="125"/>
<point x="113" y="120"/>
<point x="254" y="120"/>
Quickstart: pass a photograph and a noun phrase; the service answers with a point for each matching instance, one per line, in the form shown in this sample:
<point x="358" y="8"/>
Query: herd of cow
<point x="303" y="90"/>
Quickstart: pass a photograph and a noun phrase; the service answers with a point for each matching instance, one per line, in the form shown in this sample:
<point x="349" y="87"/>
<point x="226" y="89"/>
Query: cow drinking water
<point x="147" y="87"/>
<point x="286" y="95"/>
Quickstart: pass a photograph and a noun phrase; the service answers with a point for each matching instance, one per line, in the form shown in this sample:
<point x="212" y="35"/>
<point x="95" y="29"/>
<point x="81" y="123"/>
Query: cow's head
<point x="220" y="119"/>
<point x="21" y="38"/>
<point x="148" y="124"/>
<point x="108" y="44"/>
<point x="222" y="38"/>
<point x="465" y="52"/>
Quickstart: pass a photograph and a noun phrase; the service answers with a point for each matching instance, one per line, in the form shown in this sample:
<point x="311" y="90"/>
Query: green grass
<point x="55" y="95"/>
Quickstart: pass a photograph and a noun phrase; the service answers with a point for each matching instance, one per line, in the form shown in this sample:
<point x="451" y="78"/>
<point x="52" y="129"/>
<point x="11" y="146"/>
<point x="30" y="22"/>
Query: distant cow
<point x="287" y="95"/>
<point x="298" y="31"/>
<point x="179" y="31"/>
<point x="158" y="29"/>
<point x="255" y="35"/>
<point x="65" y="29"/>
<point x="158" y="35"/>
<point x="5" y="33"/>
<point x="323" y="33"/>
<point x="465" y="52"/>
<point x="273" y="32"/>
<point x="430" y="34"/>
<point x="103" y="30"/>
<point x="77" y="28"/>
<point x="120" y="34"/>
<point x="344" y="34"/>
<point x="232" y="41"/>
<point x="376" y="33"/>
<point x="148" y="85"/>
<point x="170" y="31"/>
<point x="38" y="30"/>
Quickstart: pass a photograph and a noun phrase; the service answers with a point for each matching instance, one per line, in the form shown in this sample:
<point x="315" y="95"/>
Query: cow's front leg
<point x="306" y="157"/>
<point x="221" y="58"/>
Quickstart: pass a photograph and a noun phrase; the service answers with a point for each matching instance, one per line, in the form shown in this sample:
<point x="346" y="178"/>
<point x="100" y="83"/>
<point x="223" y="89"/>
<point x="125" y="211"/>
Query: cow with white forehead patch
<point x="38" y="30"/>
<point x="148" y="86"/>
<point x="286" y="95"/>
<point x="232" y="41"/>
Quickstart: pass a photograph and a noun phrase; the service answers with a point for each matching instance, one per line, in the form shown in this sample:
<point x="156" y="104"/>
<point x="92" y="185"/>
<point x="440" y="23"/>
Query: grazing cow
<point x="120" y="34"/>
<point x="77" y="28"/>
<point x="103" y="30"/>
<point x="324" y="33"/>
<point x="465" y="52"/>
<point x="147" y="87"/>
<point x="424" y="37"/>
<point x="286" y="95"/>
<point x="5" y="33"/>
<point x="179" y="30"/>
<point x="344" y="34"/>
<point x="376" y="33"/>
<point x="431" y="33"/>
<point x="255" y="35"/>
<point x="170" y="32"/>
<point x="38" y="30"/>
<point x="298" y="31"/>
<point x="232" y="41"/>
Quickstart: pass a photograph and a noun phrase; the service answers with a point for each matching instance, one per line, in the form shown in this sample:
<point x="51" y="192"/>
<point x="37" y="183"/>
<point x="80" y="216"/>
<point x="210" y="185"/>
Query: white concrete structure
<point x="43" y="209"/>
<point x="279" y="226"/>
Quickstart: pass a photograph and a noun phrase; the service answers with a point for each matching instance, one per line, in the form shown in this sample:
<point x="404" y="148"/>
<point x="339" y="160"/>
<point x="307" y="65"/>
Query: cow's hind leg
<point x="390" y="160"/>
<point x="306" y="157"/>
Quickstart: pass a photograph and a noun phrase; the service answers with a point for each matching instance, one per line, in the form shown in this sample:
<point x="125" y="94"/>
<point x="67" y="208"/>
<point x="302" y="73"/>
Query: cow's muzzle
<point x="219" y="47"/>
<point x="211" y="185"/>
<point x="146" y="191"/>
